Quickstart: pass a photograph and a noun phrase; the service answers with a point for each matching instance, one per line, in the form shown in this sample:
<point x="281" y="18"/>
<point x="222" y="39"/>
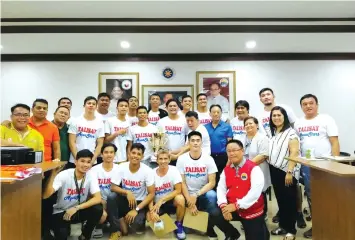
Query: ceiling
<point x="178" y="43"/>
<point x="32" y="43"/>
<point x="177" y="9"/>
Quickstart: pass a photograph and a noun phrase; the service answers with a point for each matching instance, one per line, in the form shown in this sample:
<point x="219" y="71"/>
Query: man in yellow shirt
<point x="19" y="134"/>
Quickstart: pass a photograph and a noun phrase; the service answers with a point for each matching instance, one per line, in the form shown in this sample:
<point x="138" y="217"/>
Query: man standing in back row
<point x="319" y="137"/>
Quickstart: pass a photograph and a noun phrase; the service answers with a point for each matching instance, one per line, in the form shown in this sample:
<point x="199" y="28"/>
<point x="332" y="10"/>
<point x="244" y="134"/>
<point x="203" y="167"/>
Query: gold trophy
<point x="158" y="142"/>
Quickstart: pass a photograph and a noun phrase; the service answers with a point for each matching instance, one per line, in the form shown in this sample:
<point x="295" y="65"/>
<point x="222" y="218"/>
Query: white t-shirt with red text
<point x="264" y="119"/>
<point x="136" y="182"/>
<point x="138" y="134"/>
<point x="153" y="117"/>
<point x="314" y="134"/>
<point x="104" y="178"/>
<point x="196" y="171"/>
<point x="68" y="196"/>
<point x="165" y="185"/>
<point x="113" y="125"/>
<point x="238" y="129"/>
<point x="204" y="117"/>
<point x="175" y="131"/>
<point x="132" y="120"/>
<point x="87" y="132"/>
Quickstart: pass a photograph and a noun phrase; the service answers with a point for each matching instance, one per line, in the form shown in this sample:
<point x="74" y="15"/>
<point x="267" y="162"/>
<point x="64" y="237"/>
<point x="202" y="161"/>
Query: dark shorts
<point x="167" y="208"/>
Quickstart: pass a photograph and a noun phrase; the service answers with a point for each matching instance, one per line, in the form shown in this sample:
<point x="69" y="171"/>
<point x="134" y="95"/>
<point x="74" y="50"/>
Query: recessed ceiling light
<point x="250" y="44"/>
<point x="125" y="44"/>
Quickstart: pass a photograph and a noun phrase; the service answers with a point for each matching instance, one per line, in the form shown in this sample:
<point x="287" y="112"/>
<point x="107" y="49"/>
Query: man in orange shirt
<point x="48" y="130"/>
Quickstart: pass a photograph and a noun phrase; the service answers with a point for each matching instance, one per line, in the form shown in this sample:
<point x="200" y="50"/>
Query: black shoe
<point x="278" y="231"/>
<point x="235" y="236"/>
<point x="47" y="235"/>
<point x="300" y="221"/>
<point x="308" y="233"/>
<point x="276" y="219"/>
<point x="212" y="234"/>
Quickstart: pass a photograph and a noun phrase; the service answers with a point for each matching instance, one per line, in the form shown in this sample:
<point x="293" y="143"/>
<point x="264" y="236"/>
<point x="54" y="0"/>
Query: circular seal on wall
<point x="168" y="73"/>
<point x="223" y="82"/>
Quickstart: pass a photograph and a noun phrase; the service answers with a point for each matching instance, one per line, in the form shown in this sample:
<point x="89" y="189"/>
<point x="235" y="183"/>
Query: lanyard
<point x="77" y="186"/>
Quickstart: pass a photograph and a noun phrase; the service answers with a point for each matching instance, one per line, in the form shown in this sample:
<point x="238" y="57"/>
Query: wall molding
<point x="176" y="19"/>
<point x="175" y="57"/>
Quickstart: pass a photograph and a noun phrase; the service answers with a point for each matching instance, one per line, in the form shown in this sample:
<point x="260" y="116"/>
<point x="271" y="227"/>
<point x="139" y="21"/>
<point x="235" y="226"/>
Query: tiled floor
<point x="272" y="211"/>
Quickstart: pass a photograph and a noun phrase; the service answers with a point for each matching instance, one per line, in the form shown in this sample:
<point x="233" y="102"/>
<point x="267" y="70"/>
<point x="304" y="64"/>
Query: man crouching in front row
<point x="73" y="205"/>
<point x="132" y="190"/>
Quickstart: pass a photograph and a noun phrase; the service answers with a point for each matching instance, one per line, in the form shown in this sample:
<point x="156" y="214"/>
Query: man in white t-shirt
<point x="193" y="124"/>
<point x="174" y="127"/>
<point x="103" y="173"/>
<point x="168" y="197"/>
<point x="87" y="132"/>
<point x="186" y="103"/>
<point x="155" y="113"/>
<point x="103" y="103"/>
<point x="133" y="189"/>
<point x="116" y="130"/>
<point x="78" y="198"/>
<point x="204" y="115"/>
<point x="318" y="138"/>
<point x="267" y="98"/>
<point x="142" y="133"/>
<point x="237" y="123"/>
<point x="198" y="172"/>
<point x="133" y="104"/>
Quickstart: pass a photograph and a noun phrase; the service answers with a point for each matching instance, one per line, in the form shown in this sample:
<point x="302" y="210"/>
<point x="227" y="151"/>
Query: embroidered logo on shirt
<point x="244" y="176"/>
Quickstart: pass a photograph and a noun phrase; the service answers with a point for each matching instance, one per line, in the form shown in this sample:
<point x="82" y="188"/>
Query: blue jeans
<point x="306" y="174"/>
<point x="208" y="203"/>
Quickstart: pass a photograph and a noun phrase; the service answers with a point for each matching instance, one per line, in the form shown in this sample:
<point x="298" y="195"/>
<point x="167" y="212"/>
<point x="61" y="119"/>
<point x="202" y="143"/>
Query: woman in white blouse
<point x="284" y="173"/>
<point x="257" y="150"/>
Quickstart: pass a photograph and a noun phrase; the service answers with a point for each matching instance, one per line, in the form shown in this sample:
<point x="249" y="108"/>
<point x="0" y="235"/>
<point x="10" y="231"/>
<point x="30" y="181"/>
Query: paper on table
<point x="169" y="226"/>
<point x="198" y="222"/>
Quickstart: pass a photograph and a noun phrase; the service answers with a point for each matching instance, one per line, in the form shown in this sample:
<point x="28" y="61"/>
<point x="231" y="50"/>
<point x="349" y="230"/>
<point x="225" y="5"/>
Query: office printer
<point x="20" y="155"/>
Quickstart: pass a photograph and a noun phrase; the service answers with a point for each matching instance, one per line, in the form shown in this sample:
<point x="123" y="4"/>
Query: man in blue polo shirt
<point x="220" y="133"/>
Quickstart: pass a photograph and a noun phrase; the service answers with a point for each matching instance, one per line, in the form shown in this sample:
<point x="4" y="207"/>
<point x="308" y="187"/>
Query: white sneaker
<point x="97" y="233"/>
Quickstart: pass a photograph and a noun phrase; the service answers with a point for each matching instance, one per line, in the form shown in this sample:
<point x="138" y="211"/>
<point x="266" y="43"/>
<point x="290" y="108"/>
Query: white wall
<point x="332" y="81"/>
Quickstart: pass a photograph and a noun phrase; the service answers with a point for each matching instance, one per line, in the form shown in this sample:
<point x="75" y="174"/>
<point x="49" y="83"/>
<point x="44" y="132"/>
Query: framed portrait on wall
<point x="174" y="91"/>
<point x="119" y="85"/>
<point x="219" y="86"/>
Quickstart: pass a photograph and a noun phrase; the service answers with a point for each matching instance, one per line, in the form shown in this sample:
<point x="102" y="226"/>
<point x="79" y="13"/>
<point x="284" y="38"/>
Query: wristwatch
<point x="137" y="209"/>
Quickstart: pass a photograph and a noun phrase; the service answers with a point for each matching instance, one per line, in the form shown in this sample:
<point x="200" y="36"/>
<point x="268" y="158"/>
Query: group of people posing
<point x="209" y="163"/>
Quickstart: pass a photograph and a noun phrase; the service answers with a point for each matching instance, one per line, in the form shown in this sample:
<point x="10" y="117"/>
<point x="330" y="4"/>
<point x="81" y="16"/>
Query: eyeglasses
<point x="25" y="115"/>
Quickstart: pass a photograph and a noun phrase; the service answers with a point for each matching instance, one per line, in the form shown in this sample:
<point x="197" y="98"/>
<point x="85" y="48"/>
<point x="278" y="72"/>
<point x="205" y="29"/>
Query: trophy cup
<point x="157" y="141"/>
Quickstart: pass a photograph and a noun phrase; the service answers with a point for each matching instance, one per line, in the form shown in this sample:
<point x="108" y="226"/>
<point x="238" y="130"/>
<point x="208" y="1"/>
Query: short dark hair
<point x="287" y="123"/>
<point x="89" y="98"/>
<point x="132" y="97"/>
<point x="308" y="96"/>
<point x="215" y="105"/>
<point x="201" y="94"/>
<point x="39" y="100"/>
<point x="20" y="105"/>
<point x="255" y="120"/>
<point x="138" y="146"/>
<point x="168" y="93"/>
<point x="242" y="103"/>
<point x="105" y="145"/>
<point x="264" y="90"/>
<point x="236" y="141"/>
<point x="103" y="94"/>
<point x="64" y="98"/>
<point x="194" y="133"/>
<point x="84" y="153"/>
<point x="171" y="100"/>
<point x="154" y="94"/>
<point x="191" y="114"/>
<point x="122" y="100"/>
<point x="56" y="110"/>
<point x="215" y="83"/>
<point x="142" y="107"/>
<point x="185" y="96"/>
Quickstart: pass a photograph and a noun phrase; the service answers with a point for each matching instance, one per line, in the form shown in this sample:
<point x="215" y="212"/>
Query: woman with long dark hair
<point x="284" y="173"/>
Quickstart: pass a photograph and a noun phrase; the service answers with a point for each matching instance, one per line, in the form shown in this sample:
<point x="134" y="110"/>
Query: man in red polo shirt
<point x="48" y="130"/>
<point x="239" y="194"/>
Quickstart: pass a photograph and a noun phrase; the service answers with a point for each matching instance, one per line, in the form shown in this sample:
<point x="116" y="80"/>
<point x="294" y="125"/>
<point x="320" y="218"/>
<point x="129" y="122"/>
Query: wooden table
<point x="21" y="205"/>
<point x="333" y="199"/>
